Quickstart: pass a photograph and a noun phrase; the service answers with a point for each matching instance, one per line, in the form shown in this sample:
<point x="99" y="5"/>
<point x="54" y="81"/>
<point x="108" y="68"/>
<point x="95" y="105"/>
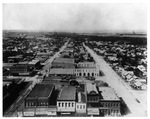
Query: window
<point x="65" y="104"/>
<point x="58" y="104"/>
<point x="80" y="106"/>
<point x="62" y="104"/>
<point x="77" y="106"/>
<point x="72" y="104"/>
<point x="68" y="104"/>
<point x="83" y="106"/>
<point x="26" y="104"/>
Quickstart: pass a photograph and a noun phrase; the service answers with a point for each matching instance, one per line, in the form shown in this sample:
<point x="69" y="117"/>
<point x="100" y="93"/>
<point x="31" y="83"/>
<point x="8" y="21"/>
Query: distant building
<point x="15" y="59"/>
<point x="66" y="101"/>
<point x="62" y="66"/>
<point x="40" y="101"/>
<point x="21" y="69"/>
<point x="34" y="63"/>
<point x="86" y="69"/>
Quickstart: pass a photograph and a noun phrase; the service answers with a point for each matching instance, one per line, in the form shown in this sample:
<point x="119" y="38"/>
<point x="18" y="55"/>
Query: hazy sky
<point x="75" y="17"/>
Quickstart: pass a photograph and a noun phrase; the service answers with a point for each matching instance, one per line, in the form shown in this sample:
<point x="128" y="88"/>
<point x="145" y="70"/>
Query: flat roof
<point x="86" y="62"/>
<point x="41" y="91"/>
<point x="67" y="93"/>
<point x="64" y="60"/>
<point x="23" y="62"/>
<point x="108" y="93"/>
<point x="34" y="61"/>
<point x="86" y="67"/>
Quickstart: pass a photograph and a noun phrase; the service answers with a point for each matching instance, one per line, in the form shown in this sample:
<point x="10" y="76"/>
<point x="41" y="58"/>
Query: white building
<point x="81" y="103"/>
<point x="66" y="101"/>
<point x="86" y="69"/>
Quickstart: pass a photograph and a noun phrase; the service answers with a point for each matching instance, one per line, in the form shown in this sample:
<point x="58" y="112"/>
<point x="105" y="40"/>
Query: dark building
<point x="40" y="101"/>
<point x="22" y="69"/>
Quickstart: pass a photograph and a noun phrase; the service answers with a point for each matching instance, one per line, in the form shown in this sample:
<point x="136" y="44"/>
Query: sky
<point x="75" y="17"/>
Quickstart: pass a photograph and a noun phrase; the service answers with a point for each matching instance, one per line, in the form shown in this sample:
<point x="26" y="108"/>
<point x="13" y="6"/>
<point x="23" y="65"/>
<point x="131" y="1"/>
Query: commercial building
<point x="66" y="101"/>
<point x="34" y="63"/>
<point x="86" y="69"/>
<point x="22" y="69"/>
<point x="40" y="101"/>
<point x="92" y="99"/>
<point x="81" y="105"/>
<point x="62" y="66"/>
<point x="109" y="103"/>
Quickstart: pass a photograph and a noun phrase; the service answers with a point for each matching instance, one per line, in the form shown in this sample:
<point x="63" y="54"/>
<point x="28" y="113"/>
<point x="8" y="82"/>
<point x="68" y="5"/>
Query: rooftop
<point x="91" y="87"/>
<point x="23" y="62"/>
<point x="81" y="97"/>
<point x="108" y="93"/>
<point x="34" y="61"/>
<point x="41" y="91"/>
<point x="67" y="93"/>
<point x="64" y="60"/>
<point x="85" y="67"/>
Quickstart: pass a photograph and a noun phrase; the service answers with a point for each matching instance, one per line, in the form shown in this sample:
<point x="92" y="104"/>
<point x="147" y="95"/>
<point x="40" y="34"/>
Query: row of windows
<point x="32" y="104"/>
<point x="86" y="64"/>
<point x="87" y="74"/>
<point x="80" y="106"/>
<point x="65" y="104"/>
<point x="93" y="99"/>
<point x="109" y="112"/>
<point x="19" y="69"/>
<point x="85" y="70"/>
<point x="110" y="104"/>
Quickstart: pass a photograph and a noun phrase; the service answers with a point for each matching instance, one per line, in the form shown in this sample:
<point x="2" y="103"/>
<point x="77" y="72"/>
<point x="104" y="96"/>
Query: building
<point x="15" y="59"/>
<point x="62" y="66"/>
<point x="40" y="101"/>
<point x="21" y="69"/>
<point x="63" y="63"/>
<point x="86" y="69"/>
<point x="81" y="105"/>
<point x="92" y="99"/>
<point x="66" y="101"/>
<point x="34" y="63"/>
<point x="109" y="102"/>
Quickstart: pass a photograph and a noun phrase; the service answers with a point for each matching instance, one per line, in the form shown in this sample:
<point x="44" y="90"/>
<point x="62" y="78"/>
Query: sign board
<point x="24" y="73"/>
<point x="31" y="114"/>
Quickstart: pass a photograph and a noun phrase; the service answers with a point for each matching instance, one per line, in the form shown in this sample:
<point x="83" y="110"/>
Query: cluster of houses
<point x="128" y="60"/>
<point x="21" y="53"/>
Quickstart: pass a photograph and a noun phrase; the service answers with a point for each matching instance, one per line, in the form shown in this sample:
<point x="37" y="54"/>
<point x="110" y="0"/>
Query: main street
<point x="135" y="104"/>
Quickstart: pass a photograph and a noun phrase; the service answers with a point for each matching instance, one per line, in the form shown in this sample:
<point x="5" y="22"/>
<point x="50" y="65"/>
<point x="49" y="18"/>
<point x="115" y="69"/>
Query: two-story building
<point x="40" y="101"/>
<point x="86" y="69"/>
<point x="66" y="101"/>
